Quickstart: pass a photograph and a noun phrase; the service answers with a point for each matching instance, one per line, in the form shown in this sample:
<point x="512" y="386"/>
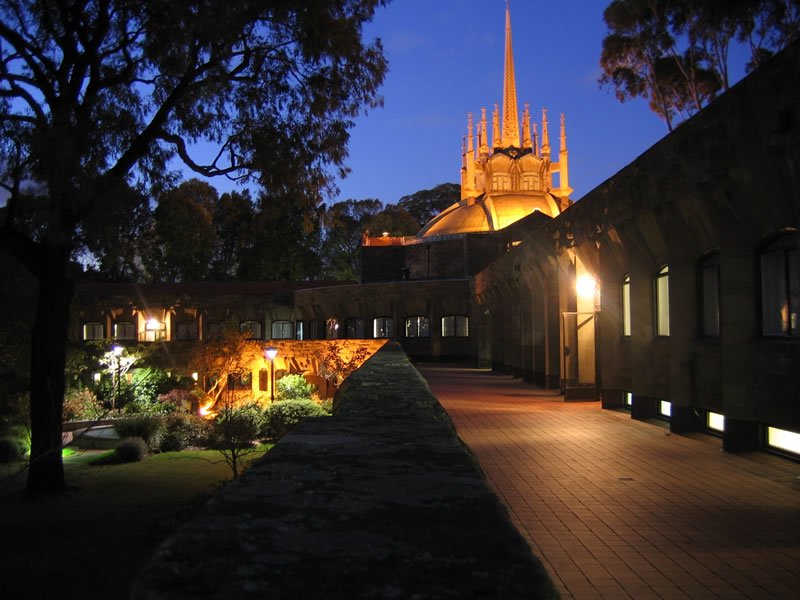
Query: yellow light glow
<point x="586" y="286"/>
<point x="153" y="325"/>
<point x="785" y="440"/>
<point x="716" y="421"/>
<point x="665" y="408"/>
<point x="195" y="376"/>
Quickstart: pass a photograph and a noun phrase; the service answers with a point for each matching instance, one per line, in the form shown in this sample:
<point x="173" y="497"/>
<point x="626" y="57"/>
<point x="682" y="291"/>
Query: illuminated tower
<point x="507" y="176"/>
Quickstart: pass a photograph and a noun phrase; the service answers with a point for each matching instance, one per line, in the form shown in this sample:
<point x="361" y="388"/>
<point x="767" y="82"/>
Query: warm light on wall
<point x="586" y="286"/>
<point x="784" y="440"/>
<point x="715" y="421"/>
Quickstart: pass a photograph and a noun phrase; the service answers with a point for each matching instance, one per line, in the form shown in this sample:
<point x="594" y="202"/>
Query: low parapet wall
<point x="379" y="501"/>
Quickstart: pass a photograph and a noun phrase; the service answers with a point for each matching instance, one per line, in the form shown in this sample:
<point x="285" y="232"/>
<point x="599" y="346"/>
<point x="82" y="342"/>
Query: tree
<point x="94" y="94"/>
<point x="234" y="222"/>
<point x="343" y="225"/>
<point x="675" y="52"/>
<point x="426" y="204"/>
<point x="184" y="235"/>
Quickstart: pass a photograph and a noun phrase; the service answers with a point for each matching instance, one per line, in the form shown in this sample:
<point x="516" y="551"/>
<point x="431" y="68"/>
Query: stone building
<point x="672" y="290"/>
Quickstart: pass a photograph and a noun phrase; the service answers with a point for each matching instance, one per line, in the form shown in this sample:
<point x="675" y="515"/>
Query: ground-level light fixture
<point x="270" y="353"/>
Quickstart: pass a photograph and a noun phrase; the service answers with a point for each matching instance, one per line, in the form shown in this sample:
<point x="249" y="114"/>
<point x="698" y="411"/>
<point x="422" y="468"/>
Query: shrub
<point x="150" y="428"/>
<point x="182" y="400"/>
<point x="132" y="449"/>
<point x="282" y="416"/>
<point x="236" y="429"/>
<point x="184" y="430"/>
<point x="82" y="405"/>
<point x="293" y="387"/>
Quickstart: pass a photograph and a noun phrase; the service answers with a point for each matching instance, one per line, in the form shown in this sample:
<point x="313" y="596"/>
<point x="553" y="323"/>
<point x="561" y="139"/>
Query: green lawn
<point x="91" y="541"/>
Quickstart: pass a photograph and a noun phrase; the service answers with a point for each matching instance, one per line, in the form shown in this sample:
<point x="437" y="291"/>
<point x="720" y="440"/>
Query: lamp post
<point x="270" y="353"/>
<point x="117" y="351"/>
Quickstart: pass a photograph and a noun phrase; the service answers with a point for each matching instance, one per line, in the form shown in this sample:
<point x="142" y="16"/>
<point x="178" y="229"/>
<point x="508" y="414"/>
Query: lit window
<point x="715" y="421"/>
<point x="662" y="301"/>
<point x="665" y="408"/>
<point x="418" y="327"/>
<point x="332" y="329"/>
<point x="626" y="306"/>
<point x="383" y="327"/>
<point x="299" y="330"/>
<point x="282" y="330"/>
<point x="780" y="290"/>
<point x="92" y="331"/>
<point x="783" y="440"/>
<point x="709" y="281"/>
<point x="124" y="331"/>
<point x="628" y="399"/>
<point x="251" y="327"/>
<point x="154" y="331"/>
<point x="186" y="331"/>
<point x="455" y="326"/>
<point x="355" y="329"/>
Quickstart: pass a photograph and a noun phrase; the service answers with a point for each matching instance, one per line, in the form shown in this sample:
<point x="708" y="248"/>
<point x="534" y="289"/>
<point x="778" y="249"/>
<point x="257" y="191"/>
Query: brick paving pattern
<point x="617" y="508"/>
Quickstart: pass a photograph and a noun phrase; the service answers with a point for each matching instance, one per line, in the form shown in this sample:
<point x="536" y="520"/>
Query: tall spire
<point x="510" y="117"/>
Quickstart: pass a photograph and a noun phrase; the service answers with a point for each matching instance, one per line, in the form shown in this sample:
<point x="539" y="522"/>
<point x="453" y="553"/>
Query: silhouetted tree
<point x="675" y="53"/>
<point x="343" y="226"/>
<point x="426" y="204"/>
<point x="93" y="94"/>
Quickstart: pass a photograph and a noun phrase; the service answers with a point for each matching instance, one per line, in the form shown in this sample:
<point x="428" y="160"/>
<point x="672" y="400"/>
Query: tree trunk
<point x="48" y="356"/>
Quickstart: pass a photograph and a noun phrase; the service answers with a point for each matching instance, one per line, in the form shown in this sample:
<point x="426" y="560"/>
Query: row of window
<point x="779" y="293"/>
<point x="382" y="327"/>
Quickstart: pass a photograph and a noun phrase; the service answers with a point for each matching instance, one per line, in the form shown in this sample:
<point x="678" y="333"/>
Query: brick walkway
<point x="617" y="508"/>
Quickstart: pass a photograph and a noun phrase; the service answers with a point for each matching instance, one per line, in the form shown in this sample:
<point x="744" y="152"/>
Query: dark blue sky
<point x="446" y="59"/>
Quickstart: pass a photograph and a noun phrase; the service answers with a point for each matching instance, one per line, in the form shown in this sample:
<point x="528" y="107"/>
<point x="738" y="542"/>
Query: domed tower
<point x="510" y="178"/>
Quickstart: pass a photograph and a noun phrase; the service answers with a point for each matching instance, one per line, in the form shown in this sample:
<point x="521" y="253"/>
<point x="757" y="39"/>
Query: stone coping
<point x="382" y="500"/>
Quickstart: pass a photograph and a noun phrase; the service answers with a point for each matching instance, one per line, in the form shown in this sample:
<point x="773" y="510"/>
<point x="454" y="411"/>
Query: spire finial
<point x="510" y="116"/>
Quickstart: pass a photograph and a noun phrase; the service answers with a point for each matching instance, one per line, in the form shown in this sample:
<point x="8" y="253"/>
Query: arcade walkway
<point x="617" y="508"/>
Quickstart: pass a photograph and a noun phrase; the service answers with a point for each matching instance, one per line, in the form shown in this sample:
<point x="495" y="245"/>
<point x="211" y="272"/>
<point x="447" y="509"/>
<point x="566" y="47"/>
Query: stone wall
<point x="380" y="501"/>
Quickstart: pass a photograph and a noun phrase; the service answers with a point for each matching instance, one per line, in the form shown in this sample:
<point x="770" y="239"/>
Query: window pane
<point x="355" y="328"/>
<point x="455" y="326"/>
<point x="662" y="302"/>
<point x="774" y="312"/>
<point x="383" y="327"/>
<point x="124" y="331"/>
<point x="332" y="329"/>
<point x="251" y="327"/>
<point x="282" y="330"/>
<point x="93" y="331"/>
<point x="711" y="300"/>
<point x="417" y="327"/>
<point x="299" y="333"/>
<point x="626" y="306"/>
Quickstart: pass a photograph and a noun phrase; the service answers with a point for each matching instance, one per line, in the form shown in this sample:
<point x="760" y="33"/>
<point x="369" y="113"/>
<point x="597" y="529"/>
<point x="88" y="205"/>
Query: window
<point x="662" y="301"/>
<point x="154" y="331"/>
<point x="709" y="295"/>
<point x="186" y="331"/>
<point x="455" y="326"/>
<point x="418" y="327"/>
<point x="626" y="306"/>
<point x="124" y="331"/>
<point x="251" y="327"/>
<point x="332" y="329"/>
<point x="282" y="330"/>
<point x="500" y="182"/>
<point x="780" y="289"/>
<point x="313" y="333"/>
<point x="299" y="330"/>
<point x="355" y="328"/>
<point x="92" y="331"/>
<point x="383" y="327"/>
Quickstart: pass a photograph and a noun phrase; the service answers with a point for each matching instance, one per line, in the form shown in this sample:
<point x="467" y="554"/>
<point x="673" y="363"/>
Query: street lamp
<point x="117" y="352"/>
<point x="270" y="353"/>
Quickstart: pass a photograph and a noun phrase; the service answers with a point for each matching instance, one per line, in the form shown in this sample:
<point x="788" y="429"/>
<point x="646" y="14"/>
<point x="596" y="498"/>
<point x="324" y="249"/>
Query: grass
<point x="92" y="540"/>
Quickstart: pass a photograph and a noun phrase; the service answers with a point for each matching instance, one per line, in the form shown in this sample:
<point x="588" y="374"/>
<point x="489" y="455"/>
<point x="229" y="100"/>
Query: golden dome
<point x="489" y="212"/>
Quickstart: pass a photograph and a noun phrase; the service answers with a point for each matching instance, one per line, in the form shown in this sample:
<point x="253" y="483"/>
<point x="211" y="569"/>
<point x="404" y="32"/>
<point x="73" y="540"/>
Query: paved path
<point x="617" y="508"/>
